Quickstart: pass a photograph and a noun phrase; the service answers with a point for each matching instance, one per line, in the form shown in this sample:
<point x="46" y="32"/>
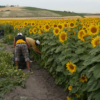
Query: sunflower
<point x="81" y="35"/>
<point x="56" y="31"/>
<point x="65" y="25"/>
<point x="34" y="30"/>
<point x="63" y="36"/>
<point x="71" y="67"/>
<point x="83" y="79"/>
<point x="70" y="88"/>
<point x="71" y="24"/>
<point x="68" y="98"/>
<point x="46" y="27"/>
<point x="94" y="30"/>
<point x="32" y="23"/>
<point x="25" y="23"/>
<point x="95" y="41"/>
<point x="30" y="30"/>
<point x="60" y="26"/>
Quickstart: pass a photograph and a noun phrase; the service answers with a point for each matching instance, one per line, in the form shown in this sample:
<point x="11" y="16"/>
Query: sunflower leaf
<point x="80" y="50"/>
<point x="59" y="69"/>
<point x="96" y="94"/>
<point x="59" y="49"/>
<point x="96" y="71"/>
<point x="95" y="50"/>
<point x="96" y="58"/>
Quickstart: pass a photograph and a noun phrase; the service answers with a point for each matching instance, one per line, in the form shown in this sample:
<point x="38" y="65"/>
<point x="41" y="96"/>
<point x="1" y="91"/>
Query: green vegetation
<point x="62" y="13"/>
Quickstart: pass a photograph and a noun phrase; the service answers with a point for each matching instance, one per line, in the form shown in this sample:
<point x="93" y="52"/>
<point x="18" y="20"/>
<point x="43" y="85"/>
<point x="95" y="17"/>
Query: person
<point x="21" y="45"/>
<point x="34" y="44"/>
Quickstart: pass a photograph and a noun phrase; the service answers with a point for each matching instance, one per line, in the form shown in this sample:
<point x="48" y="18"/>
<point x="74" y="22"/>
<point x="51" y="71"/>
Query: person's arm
<point x="14" y="43"/>
<point x="37" y="50"/>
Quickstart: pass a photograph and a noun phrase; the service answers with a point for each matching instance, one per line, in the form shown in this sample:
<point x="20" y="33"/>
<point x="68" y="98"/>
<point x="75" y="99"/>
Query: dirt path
<point x="39" y="86"/>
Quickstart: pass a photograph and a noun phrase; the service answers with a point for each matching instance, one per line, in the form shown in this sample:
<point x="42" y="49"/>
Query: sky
<point x="77" y="6"/>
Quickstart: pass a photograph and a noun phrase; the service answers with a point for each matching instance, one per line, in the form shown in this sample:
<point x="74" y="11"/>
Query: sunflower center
<point x="55" y="25"/>
<point x="47" y="27"/>
<point x="60" y="26"/>
<point x="71" y="24"/>
<point x="65" y="25"/>
<point x="63" y="36"/>
<point x="97" y="42"/>
<point x="32" y="23"/>
<point x="93" y="30"/>
<point x="56" y="31"/>
<point x="71" y="67"/>
<point x="83" y="78"/>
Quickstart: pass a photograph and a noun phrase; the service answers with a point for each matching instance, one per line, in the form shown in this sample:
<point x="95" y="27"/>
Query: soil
<point x="39" y="86"/>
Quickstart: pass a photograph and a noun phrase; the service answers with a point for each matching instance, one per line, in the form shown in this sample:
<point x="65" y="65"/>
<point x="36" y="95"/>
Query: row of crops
<point x="10" y="76"/>
<point x="70" y="51"/>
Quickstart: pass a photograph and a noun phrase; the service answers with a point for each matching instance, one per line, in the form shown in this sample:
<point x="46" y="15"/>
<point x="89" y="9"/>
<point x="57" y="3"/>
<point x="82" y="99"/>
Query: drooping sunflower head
<point x="71" y="67"/>
<point x="94" y="30"/>
<point x="83" y="79"/>
<point x="56" y="31"/>
<point x="63" y="36"/>
<point x="95" y="41"/>
<point x="81" y="35"/>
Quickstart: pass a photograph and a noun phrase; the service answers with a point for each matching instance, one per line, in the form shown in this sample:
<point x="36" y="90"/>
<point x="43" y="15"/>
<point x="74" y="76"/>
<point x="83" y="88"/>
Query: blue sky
<point x="78" y="6"/>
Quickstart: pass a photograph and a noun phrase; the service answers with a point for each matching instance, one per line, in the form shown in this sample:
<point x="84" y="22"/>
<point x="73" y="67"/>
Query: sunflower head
<point x="56" y="31"/>
<point x="62" y="36"/>
<point x="95" y="41"/>
<point x="81" y="35"/>
<point x="83" y="79"/>
<point x="68" y="98"/>
<point x="94" y="30"/>
<point x="70" y="88"/>
<point x="30" y="31"/>
<point x="71" y="67"/>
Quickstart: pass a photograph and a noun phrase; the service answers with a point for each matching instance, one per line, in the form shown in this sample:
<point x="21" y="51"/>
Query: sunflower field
<point x="70" y="51"/>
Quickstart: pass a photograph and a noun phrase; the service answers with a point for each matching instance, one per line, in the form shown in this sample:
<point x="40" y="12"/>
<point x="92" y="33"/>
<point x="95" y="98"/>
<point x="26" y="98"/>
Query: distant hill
<point x="16" y="12"/>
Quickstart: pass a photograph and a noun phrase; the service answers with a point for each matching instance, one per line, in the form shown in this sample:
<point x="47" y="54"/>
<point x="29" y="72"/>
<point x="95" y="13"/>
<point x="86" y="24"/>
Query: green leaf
<point x="92" y="86"/>
<point x="97" y="86"/>
<point x="96" y="71"/>
<point x="87" y="61"/>
<point x="59" y="49"/>
<point x="74" y="59"/>
<point x="62" y="58"/>
<point x="96" y="94"/>
<point x="80" y="50"/>
<point x="50" y="59"/>
<point x="95" y="50"/>
<point x="96" y="58"/>
<point x="59" y="68"/>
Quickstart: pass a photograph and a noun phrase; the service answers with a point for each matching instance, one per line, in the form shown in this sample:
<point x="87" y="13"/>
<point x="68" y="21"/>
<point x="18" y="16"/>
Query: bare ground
<point x="39" y="86"/>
